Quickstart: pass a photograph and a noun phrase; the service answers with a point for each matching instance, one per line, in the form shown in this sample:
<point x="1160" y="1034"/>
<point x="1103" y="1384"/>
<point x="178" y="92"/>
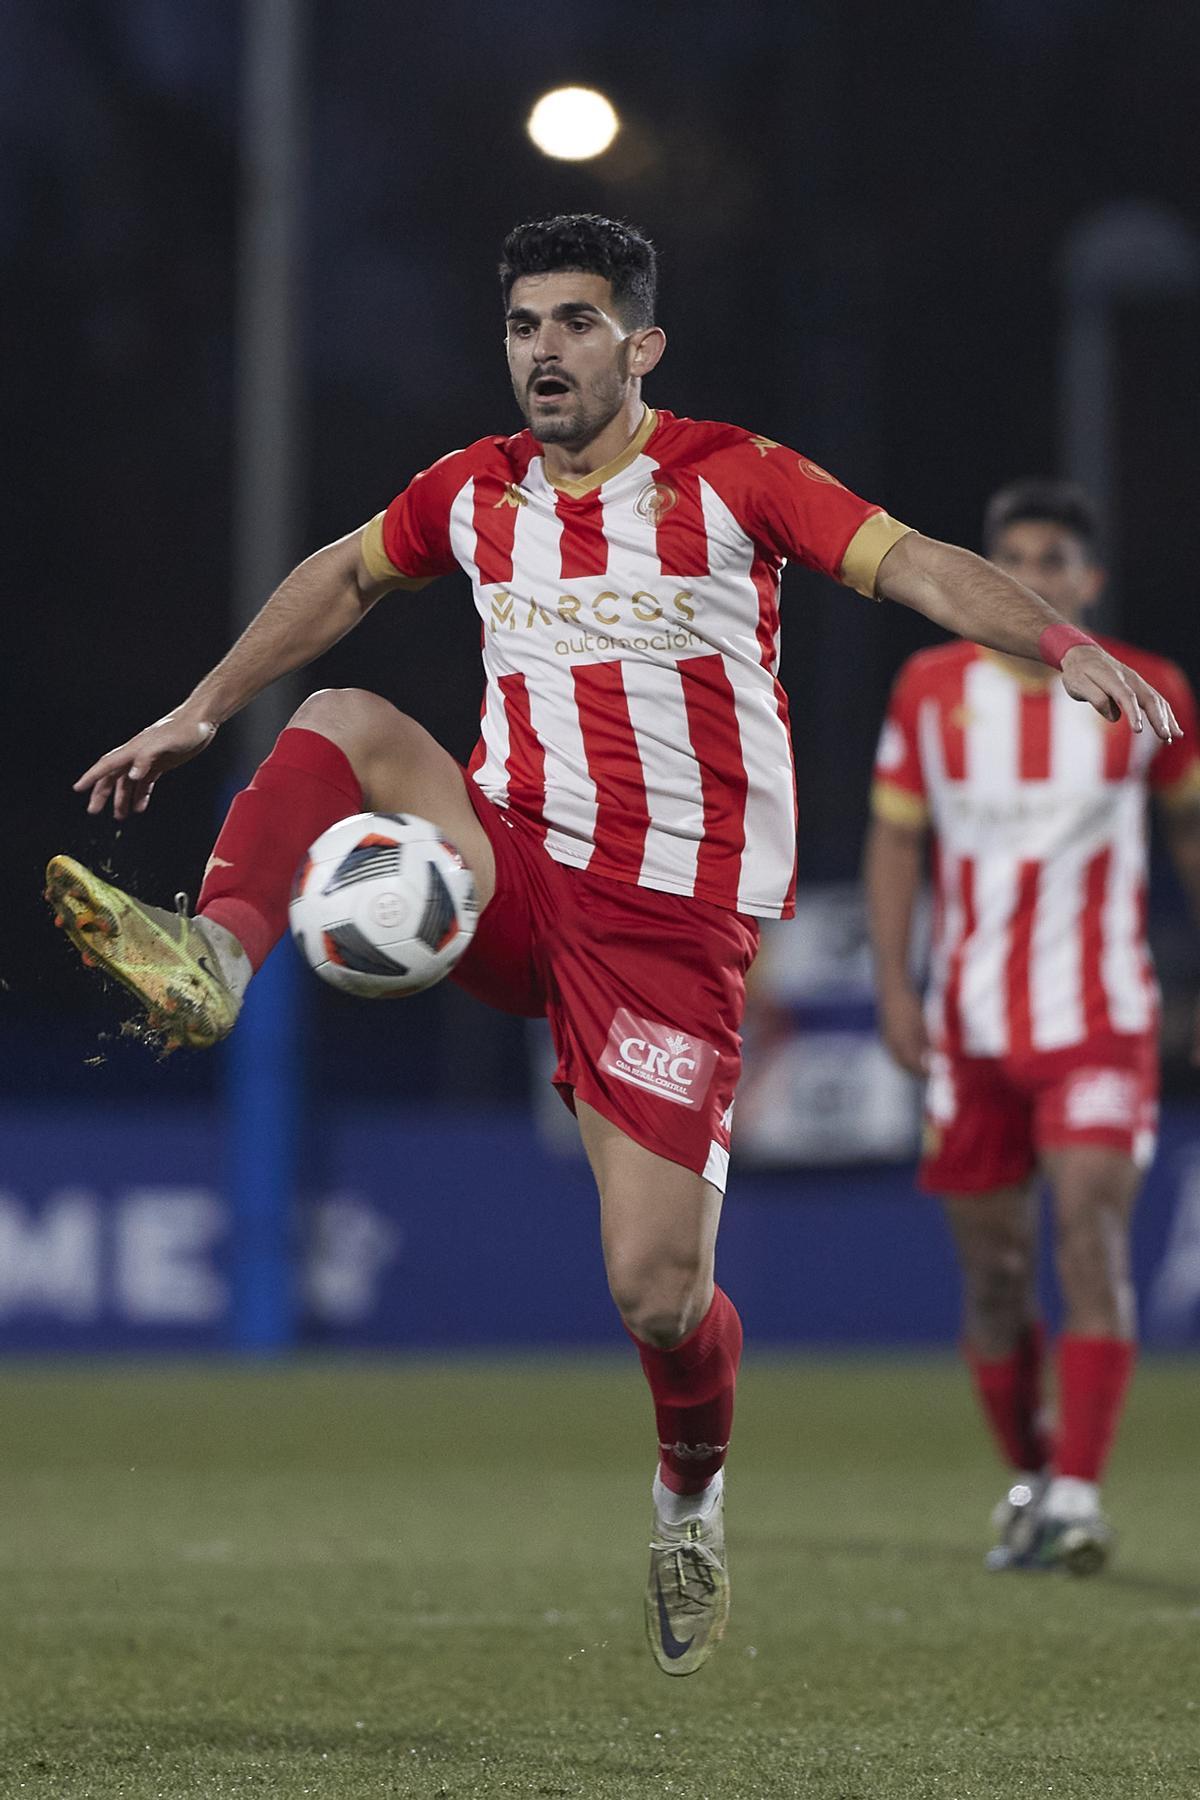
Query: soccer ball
<point x="383" y="905"/>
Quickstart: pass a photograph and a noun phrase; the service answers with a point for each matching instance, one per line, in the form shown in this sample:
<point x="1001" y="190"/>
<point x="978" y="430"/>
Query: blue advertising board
<point x="422" y="1230"/>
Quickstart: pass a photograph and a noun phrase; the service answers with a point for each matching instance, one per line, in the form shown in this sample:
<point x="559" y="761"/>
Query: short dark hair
<point x="592" y="245"/>
<point x="1062" y="503"/>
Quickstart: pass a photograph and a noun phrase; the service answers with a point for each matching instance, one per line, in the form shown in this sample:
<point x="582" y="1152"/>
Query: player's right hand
<point x="127" y="774"/>
<point x="902" y="1028"/>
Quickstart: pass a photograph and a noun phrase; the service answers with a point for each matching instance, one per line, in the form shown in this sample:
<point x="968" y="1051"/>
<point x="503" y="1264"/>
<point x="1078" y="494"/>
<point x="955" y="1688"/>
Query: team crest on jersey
<point x="654" y="1057"/>
<point x="512" y="496"/>
<point x="815" y="472"/>
<point x="655" y="502"/>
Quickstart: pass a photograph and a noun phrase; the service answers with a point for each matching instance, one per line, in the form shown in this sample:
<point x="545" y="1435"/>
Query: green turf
<point x="422" y="1579"/>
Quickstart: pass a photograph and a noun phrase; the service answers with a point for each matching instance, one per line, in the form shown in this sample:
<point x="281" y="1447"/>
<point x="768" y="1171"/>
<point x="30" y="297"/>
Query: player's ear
<point x="646" y="349"/>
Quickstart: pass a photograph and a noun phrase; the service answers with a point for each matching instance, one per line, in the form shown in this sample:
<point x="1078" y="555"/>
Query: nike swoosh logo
<point x="670" y="1642"/>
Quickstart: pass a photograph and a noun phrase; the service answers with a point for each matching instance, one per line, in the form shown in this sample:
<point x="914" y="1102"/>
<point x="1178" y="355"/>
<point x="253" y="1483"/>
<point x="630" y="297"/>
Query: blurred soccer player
<point x="1039" y="1031"/>
<point x="629" y="812"/>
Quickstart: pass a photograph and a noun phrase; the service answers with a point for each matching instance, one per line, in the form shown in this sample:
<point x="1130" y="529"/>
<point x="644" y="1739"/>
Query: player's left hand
<point x="1090" y="673"/>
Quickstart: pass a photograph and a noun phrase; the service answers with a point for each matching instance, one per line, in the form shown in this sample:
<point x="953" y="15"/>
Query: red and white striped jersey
<point x="631" y="642"/>
<point x="1039" y="812"/>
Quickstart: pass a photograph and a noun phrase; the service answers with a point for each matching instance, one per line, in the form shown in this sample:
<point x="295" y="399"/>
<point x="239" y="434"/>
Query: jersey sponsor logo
<point x="517" y="612"/>
<point x="658" y="1059"/>
<point x="655" y="502"/>
<point x="1101" y="1099"/>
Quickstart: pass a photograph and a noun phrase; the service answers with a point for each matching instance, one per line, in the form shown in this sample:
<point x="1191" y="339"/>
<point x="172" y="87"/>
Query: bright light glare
<point x="573" y="123"/>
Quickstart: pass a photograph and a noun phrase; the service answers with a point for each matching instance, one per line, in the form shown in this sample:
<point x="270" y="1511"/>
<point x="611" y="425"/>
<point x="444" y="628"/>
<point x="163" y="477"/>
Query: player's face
<point x="1052" y="561"/>
<point x="570" y="358"/>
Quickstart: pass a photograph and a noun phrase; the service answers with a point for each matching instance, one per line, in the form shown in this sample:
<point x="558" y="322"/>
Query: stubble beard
<point x="592" y="411"/>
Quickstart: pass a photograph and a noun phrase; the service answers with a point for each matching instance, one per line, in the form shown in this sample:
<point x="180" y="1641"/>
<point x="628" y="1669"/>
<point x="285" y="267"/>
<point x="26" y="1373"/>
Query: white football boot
<point x="687" y="1594"/>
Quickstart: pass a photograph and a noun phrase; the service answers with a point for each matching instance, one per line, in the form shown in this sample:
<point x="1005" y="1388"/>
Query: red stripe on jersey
<point x="1020" y="1014"/>
<point x="494" y="516"/>
<point x="679" y="524"/>
<point x="1118" y="743"/>
<point x="1095" y="892"/>
<point x="584" y="547"/>
<point x="717" y="743"/>
<point x="966" y="889"/>
<point x="622" y="812"/>
<point x="526" y="760"/>
<point x="1034" y="736"/>
<point x="766" y="586"/>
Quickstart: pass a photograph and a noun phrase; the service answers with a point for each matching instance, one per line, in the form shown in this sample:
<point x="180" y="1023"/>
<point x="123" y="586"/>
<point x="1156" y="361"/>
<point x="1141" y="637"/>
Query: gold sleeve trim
<point x="378" y="563"/>
<point x="867" y="549"/>
<point x="897" y="806"/>
<point x="1181" y="793"/>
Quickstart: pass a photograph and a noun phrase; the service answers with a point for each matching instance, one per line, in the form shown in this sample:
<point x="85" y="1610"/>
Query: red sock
<point x="1093" y="1374"/>
<point x="692" y="1384"/>
<point x="1010" y="1392"/>
<point x="305" y="785"/>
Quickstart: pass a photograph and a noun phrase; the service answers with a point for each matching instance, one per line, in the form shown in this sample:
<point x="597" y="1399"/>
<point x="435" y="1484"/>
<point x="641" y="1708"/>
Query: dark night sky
<point x="860" y="211"/>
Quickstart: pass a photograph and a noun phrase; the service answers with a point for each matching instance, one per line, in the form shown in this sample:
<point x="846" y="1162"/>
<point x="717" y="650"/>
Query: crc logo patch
<point x="659" y="1059"/>
<point x="1102" y="1099"/>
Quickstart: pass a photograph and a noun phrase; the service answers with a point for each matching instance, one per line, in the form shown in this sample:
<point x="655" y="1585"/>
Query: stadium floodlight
<point x="573" y="123"/>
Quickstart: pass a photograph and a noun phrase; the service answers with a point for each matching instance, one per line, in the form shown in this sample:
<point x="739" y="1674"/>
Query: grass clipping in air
<point x="425" y="1580"/>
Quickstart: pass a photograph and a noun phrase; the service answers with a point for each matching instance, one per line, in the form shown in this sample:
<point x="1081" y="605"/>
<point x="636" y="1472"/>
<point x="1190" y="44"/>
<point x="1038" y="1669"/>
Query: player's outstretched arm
<point x="318" y="603"/>
<point x="971" y="597"/>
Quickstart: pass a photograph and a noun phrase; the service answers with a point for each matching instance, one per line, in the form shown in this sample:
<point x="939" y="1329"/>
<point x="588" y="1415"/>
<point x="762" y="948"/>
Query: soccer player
<point x="1038" y="1032"/>
<point x="629" y="812"/>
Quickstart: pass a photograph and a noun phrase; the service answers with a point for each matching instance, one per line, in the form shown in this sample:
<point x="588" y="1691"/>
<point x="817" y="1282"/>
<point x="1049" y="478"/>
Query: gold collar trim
<point x="587" y="484"/>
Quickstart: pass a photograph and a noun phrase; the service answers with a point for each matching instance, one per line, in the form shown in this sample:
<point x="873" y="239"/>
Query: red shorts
<point x="987" y="1119"/>
<point x="644" y="991"/>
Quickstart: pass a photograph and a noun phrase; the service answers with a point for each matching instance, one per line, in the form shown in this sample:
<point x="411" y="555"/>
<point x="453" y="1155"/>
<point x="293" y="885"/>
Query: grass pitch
<point x="424" y="1579"/>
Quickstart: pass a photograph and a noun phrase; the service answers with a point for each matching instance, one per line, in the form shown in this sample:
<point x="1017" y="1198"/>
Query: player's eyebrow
<point x="566" y="309"/>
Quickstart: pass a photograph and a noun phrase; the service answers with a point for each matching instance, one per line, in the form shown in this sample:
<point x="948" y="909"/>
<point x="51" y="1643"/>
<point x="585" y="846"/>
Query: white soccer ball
<point x="383" y="905"/>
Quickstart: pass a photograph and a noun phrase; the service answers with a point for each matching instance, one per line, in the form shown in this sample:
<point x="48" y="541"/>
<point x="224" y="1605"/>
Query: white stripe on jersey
<point x="983" y="993"/>
<point x="462" y="530"/>
<point x="660" y="725"/>
<point x="493" y="729"/>
<point x="1056" y="1011"/>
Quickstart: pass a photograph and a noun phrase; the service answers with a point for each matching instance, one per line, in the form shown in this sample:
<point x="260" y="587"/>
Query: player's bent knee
<point x="349" y="716"/>
<point x="662" y="1312"/>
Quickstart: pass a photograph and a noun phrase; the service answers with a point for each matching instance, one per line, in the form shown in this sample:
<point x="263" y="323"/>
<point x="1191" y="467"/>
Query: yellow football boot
<point x="162" y="957"/>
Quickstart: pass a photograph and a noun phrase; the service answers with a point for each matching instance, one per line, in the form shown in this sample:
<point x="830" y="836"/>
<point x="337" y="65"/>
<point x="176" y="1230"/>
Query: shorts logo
<point x="1101" y="1099"/>
<point x="659" y="1059"/>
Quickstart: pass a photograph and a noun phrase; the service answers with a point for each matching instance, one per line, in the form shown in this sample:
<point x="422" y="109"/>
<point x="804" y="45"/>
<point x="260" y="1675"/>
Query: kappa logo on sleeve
<point x="658" y="1058"/>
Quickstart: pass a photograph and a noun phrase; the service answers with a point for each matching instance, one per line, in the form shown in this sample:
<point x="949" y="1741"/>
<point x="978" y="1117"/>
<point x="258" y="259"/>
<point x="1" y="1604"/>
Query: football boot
<point x="162" y="957"/>
<point x="687" y="1594"/>
<point x="1015" y="1522"/>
